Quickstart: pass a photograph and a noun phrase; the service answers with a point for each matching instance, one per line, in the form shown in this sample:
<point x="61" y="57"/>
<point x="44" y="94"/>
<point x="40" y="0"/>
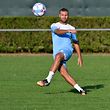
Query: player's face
<point x="63" y="16"/>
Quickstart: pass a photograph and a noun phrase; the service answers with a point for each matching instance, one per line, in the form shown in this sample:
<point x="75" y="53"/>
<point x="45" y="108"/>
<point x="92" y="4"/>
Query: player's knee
<point x="59" y="57"/>
<point x="63" y="74"/>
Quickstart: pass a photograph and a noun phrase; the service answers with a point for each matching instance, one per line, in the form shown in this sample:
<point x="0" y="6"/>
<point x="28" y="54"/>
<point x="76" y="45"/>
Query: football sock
<point x="50" y="76"/>
<point x="77" y="87"/>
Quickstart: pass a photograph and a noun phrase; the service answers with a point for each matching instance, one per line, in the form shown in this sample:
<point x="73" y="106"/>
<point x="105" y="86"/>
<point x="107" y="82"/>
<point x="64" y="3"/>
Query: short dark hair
<point x="63" y="9"/>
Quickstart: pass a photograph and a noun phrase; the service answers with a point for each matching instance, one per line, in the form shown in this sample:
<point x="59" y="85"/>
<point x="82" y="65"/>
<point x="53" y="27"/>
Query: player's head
<point x="63" y="14"/>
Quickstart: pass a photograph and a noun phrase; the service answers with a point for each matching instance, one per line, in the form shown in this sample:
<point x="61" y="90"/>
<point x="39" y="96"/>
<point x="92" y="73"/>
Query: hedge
<point x="34" y="42"/>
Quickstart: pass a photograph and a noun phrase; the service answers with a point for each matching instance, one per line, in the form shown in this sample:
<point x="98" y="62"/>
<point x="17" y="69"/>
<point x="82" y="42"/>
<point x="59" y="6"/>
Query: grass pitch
<point x="19" y="74"/>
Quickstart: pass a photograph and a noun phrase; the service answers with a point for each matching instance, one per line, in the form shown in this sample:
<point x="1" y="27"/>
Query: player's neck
<point x="63" y="22"/>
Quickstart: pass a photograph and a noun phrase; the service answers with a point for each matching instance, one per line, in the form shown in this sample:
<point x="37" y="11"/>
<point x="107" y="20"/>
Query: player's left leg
<point x="64" y="72"/>
<point x="62" y="55"/>
<point x="58" y="58"/>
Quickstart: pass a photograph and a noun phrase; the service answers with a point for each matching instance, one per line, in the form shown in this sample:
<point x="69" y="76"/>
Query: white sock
<point x="77" y="87"/>
<point x="50" y="76"/>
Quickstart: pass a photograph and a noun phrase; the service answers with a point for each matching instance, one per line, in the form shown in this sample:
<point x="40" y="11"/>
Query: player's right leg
<point x="58" y="58"/>
<point x="64" y="72"/>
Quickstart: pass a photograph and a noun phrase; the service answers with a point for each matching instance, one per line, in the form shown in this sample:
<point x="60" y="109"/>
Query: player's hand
<point x="72" y="31"/>
<point x="80" y="62"/>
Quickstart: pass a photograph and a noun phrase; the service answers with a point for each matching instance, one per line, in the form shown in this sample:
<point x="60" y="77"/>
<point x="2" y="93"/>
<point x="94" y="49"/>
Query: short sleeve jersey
<point x="62" y="41"/>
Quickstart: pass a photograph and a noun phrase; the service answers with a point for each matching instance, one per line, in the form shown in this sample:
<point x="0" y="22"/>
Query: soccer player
<point x="62" y="36"/>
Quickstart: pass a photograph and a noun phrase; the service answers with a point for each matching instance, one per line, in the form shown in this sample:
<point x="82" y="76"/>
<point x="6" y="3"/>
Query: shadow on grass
<point x="57" y="92"/>
<point x="88" y="88"/>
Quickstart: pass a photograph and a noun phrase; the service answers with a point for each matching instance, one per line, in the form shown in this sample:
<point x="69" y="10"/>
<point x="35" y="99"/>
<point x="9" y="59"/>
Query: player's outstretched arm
<point x="60" y="31"/>
<point x="77" y="48"/>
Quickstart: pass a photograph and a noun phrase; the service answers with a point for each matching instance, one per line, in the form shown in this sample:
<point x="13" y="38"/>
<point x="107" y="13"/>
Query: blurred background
<point x="84" y="14"/>
<point x="76" y="7"/>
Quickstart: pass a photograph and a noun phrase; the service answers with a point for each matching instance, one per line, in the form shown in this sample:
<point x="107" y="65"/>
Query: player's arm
<point x="60" y="31"/>
<point x="55" y="29"/>
<point x="77" y="48"/>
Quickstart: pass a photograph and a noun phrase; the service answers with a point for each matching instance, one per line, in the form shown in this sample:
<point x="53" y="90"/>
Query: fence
<point x="37" y="30"/>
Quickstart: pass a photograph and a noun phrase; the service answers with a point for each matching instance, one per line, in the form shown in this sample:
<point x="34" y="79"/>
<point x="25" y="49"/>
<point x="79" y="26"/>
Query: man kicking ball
<point x="62" y="36"/>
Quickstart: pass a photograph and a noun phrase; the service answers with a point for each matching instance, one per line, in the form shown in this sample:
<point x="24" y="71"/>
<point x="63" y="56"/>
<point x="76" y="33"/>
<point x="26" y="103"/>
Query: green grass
<point x="19" y="74"/>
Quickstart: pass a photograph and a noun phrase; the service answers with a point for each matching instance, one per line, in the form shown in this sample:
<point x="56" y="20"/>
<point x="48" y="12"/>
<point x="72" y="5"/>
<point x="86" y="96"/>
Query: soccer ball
<point x="39" y="9"/>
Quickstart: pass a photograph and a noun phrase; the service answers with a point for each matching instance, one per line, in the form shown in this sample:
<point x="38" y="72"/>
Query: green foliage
<point x="12" y="42"/>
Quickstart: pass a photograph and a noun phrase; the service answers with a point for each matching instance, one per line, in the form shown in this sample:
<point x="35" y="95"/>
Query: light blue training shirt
<point x="63" y="41"/>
